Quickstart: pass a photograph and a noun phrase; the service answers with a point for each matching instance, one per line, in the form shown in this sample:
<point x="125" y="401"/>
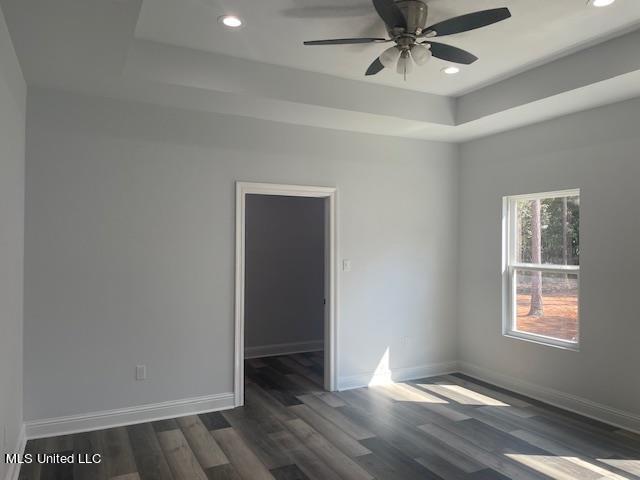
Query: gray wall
<point x="284" y="258"/>
<point x="12" y="132"/>
<point x="130" y="247"/>
<point x="599" y="152"/>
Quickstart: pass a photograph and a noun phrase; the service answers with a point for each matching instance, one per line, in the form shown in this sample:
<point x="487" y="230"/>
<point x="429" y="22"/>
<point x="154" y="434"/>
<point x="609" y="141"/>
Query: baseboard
<point x="13" y="471"/>
<point x="396" y="375"/>
<point x="283" y="349"/>
<point x="567" y="401"/>
<point x="127" y="416"/>
<point x="191" y="406"/>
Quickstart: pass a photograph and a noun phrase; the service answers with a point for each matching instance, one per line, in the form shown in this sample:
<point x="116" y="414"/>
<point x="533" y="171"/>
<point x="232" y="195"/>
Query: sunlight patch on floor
<point x="462" y="395"/>
<point x="629" y="466"/>
<point x="402" y="392"/>
<point x="561" y="451"/>
<point x="482" y="399"/>
<point x="559" y="468"/>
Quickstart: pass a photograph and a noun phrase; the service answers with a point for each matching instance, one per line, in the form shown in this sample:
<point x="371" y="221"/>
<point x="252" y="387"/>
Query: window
<point x="541" y="273"/>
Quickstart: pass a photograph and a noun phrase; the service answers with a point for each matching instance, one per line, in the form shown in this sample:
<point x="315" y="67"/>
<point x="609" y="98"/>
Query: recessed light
<point x="451" y="70"/>
<point x="230" y="21"/>
<point x="601" y="3"/>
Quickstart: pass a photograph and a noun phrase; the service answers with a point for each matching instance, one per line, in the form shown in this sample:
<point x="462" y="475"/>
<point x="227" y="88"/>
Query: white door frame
<point x="331" y="291"/>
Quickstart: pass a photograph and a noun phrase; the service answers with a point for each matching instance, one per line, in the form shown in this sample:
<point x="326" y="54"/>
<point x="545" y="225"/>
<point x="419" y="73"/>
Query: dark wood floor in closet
<point x="450" y="427"/>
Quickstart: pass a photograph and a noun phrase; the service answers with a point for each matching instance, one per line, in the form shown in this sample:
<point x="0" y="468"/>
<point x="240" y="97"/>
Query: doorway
<point x="266" y="304"/>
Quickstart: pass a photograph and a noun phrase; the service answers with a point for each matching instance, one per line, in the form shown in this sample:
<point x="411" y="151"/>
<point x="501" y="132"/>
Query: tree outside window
<point x="542" y="240"/>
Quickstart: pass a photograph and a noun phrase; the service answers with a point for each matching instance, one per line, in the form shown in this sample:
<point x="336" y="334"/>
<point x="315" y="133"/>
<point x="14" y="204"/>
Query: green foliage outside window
<point x="560" y="226"/>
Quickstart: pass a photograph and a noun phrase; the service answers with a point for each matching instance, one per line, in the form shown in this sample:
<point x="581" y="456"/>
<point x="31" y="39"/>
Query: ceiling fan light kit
<point x="405" y="64"/>
<point x="421" y="54"/>
<point x="405" y="21"/>
<point x="390" y="57"/>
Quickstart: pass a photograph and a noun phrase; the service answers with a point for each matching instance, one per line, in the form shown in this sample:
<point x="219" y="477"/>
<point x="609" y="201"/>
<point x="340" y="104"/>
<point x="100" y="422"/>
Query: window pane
<point x="547" y="304"/>
<point x="547" y="231"/>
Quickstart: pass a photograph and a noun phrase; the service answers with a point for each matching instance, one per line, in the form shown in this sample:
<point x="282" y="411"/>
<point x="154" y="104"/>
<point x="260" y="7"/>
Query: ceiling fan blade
<point x="345" y="41"/>
<point x="470" y="21"/>
<point x="375" y="67"/>
<point x="390" y="13"/>
<point x="452" y="54"/>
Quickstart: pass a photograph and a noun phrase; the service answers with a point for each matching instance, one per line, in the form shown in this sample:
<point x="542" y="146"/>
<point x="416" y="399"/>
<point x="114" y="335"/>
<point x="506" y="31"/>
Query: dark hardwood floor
<point x="449" y="427"/>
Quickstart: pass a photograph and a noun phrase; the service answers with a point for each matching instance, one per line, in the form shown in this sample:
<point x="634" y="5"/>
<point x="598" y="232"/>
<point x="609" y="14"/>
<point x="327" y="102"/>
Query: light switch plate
<point x="141" y="372"/>
<point x="346" y="265"/>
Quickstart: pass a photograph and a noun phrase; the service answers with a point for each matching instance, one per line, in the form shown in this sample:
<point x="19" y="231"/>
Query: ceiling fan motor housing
<point x="415" y="11"/>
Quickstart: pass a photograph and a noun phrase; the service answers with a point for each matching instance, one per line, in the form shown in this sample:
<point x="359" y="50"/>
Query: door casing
<point x="331" y="291"/>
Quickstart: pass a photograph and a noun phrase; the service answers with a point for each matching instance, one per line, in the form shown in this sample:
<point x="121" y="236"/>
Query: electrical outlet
<point x="346" y="265"/>
<point x="141" y="372"/>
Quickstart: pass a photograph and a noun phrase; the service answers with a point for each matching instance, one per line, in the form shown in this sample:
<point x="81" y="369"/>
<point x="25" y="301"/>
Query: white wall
<point x="130" y="247"/>
<point x="12" y="132"/>
<point x="284" y="278"/>
<point x="599" y="152"/>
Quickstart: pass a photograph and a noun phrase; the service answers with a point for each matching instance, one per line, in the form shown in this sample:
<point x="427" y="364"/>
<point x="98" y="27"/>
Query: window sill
<point x="573" y="347"/>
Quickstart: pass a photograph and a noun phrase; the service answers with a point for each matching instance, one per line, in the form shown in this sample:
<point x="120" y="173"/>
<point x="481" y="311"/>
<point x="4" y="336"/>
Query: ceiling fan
<point x="406" y="21"/>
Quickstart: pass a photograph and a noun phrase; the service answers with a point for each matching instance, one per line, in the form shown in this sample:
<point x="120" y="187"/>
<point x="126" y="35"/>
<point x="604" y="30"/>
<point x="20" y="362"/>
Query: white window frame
<point x="509" y="266"/>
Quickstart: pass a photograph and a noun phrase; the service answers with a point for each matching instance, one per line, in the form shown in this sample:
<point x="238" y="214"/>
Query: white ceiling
<point x="540" y="30"/>
<point x="174" y="53"/>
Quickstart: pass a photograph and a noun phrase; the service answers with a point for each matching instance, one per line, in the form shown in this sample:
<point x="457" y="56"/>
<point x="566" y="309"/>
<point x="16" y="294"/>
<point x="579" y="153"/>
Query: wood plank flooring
<point x="447" y="427"/>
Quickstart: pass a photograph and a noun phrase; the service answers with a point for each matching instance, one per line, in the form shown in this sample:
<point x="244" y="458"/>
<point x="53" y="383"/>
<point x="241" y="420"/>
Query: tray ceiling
<point x="274" y="30"/>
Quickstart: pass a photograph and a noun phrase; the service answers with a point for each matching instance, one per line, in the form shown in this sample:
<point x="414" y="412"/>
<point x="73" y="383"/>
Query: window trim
<point x="509" y="266"/>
